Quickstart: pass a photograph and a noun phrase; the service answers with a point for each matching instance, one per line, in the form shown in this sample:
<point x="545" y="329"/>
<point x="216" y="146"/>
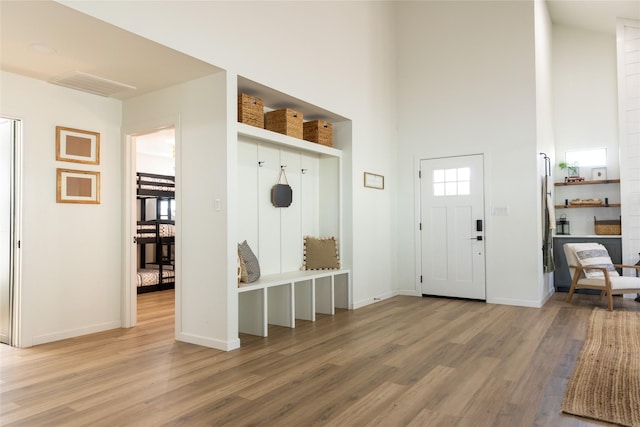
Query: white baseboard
<point x="209" y="342"/>
<point x="72" y="333"/>
<point x="516" y="302"/>
<point x="368" y="301"/>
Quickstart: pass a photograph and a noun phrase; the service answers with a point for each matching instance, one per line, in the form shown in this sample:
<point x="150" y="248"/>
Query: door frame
<point x="15" y="230"/>
<point x="418" y="213"/>
<point x="129" y="302"/>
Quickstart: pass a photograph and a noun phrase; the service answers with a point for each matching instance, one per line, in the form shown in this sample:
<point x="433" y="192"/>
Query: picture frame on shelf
<point x="599" y="174"/>
<point x="77" y="146"/>
<point x="373" y="180"/>
<point x="77" y="186"/>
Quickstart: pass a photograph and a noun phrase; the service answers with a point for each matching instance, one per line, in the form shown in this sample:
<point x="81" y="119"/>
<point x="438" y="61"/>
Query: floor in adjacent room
<point x="402" y="361"/>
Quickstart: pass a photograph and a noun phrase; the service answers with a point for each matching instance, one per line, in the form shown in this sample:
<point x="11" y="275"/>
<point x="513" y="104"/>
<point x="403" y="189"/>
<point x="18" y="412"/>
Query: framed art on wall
<point x="78" y="146"/>
<point x="75" y="186"/>
<point x="599" y="174"/>
<point x="373" y="180"/>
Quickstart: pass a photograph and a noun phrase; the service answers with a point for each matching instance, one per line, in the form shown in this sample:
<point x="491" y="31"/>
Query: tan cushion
<point x="321" y="254"/>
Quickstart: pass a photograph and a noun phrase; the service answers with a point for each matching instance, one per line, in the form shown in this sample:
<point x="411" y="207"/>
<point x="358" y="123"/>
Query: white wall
<point x="628" y="33"/>
<point x="202" y="270"/>
<point x="466" y="84"/>
<point x="71" y="268"/>
<point x="585" y="114"/>
<point x="544" y="118"/>
<point x="339" y="57"/>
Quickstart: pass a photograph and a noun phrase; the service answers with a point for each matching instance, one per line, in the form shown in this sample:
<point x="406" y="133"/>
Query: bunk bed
<point x="155" y="234"/>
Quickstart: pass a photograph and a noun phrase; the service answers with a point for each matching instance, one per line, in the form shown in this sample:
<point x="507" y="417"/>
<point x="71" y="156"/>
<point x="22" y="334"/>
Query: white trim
<point x="208" y="342"/>
<point x="72" y="333"/>
<point x="16" y="338"/>
<point x="516" y="302"/>
<point x="129" y="304"/>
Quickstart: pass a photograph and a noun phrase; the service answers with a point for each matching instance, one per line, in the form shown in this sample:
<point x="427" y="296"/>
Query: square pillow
<point x="320" y="254"/>
<point x="250" y="261"/>
<point x="594" y="255"/>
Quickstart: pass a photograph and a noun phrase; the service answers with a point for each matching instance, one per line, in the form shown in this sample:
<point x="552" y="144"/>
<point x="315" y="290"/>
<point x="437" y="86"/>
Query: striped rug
<point x="605" y="384"/>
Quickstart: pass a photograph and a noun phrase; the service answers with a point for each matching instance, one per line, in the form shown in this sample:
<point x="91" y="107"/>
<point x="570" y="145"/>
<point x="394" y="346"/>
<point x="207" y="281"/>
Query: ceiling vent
<point x="90" y="83"/>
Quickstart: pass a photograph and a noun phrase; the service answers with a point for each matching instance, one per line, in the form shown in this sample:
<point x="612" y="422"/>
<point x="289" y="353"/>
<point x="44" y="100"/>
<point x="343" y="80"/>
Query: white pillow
<point x="594" y="255"/>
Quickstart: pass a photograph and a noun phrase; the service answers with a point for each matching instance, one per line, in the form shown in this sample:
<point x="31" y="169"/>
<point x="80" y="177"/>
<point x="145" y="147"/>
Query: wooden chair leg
<point x="572" y="289"/>
<point x="610" y="301"/>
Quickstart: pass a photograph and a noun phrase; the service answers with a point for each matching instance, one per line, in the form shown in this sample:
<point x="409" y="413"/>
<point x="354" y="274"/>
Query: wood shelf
<point x="610" y="205"/>
<point x="606" y="181"/>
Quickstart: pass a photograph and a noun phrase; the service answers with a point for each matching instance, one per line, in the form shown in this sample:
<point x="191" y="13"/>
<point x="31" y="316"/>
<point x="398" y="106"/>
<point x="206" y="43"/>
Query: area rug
<point x="605" y="384"/>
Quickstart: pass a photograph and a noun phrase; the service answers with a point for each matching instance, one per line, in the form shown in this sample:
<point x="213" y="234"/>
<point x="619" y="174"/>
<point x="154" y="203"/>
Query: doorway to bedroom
<point x="155" y="218"/>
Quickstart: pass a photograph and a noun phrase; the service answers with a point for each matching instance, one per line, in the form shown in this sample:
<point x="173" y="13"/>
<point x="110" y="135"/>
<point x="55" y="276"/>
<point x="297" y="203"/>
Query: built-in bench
<point x="280" y="299"/>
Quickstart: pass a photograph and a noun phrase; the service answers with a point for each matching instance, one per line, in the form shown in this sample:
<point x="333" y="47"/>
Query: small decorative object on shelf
<point x="587" y="202"/>
<point x="562" y="226"/>
<point x="573" y="171"/>
<point x="284" y="121"/>
<point x="250" y="110"/>
<point x="607" y="226"/>
<point x="599" y="174"/>
<point x="318" y="131"/>
<point x="573" y="179"/>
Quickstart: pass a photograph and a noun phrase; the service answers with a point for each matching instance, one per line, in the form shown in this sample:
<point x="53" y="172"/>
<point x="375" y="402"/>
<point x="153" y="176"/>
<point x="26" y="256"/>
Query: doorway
<point x="10" y="131"/>
<point x="452" y="227"/>
<point x="155" y="207"/>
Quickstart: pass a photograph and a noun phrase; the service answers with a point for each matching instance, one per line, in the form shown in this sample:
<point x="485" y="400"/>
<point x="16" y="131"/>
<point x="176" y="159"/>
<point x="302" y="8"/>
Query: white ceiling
<point x="82" y="43"/>
<point x="78" y="42"/>
<point x="593" y="15"/>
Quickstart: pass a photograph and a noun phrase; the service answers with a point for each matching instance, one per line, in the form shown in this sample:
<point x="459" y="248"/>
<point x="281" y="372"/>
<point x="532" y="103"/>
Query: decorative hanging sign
<point x="281" y="194"/>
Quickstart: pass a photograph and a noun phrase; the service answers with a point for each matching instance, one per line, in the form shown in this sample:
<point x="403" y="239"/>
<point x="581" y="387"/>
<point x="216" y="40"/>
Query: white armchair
<point x="591" y="268"/>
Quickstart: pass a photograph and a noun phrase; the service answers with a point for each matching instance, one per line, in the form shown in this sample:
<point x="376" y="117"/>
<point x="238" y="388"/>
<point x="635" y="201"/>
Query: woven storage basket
<point x="318" y="131"/>
<point x="285" y="121"/>
<point x="608" y="226"/>
<point x="250" y="110"/>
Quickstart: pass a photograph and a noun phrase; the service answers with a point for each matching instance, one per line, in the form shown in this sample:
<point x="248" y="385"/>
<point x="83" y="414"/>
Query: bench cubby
<point x="280" y="299"/>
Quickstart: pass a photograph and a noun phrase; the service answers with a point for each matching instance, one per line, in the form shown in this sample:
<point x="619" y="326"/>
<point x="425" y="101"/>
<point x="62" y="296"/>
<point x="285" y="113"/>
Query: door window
<point x="452" y="182"/>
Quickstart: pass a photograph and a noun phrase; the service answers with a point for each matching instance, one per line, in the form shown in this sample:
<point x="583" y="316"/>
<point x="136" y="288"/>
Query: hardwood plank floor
<point x="405" y="361"/>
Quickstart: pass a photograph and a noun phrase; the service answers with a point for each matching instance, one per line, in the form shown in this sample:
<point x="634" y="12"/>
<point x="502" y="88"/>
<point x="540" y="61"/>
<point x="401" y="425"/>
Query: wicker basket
<point x="250" y="110"/>
<point x="318" y="131"/>
<point x="285" y="121"/>
<point x="607" y="226"/>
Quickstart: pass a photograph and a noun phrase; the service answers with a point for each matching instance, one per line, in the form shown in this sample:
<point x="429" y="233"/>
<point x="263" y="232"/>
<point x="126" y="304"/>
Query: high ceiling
<point x="44" y="39"/>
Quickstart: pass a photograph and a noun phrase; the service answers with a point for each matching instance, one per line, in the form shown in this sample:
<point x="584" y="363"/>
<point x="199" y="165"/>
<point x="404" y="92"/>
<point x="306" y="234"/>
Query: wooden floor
<point x="405" y="361"/>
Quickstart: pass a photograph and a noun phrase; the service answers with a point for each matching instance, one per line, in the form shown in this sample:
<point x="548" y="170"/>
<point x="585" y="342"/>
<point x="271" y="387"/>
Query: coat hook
<point x="260" y="163"/>
<point x="303" y="171"/>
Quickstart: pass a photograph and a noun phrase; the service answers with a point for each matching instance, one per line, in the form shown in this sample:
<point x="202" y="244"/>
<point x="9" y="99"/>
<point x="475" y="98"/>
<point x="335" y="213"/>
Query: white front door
<point x="452" y="227"/>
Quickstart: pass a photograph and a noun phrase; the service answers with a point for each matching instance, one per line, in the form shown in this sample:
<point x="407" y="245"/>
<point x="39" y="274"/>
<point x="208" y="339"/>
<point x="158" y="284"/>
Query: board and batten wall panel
<point x="629" y="122"/>
<point x="309" y="194"/>
<point x="248" y="193"/>
<point x="268" y="251"/>
<point x="276" y="234"/>
<point x="290" y="217"/>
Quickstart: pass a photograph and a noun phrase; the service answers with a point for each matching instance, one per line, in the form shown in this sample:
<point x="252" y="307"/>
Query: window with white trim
<point x="452" y="182"/>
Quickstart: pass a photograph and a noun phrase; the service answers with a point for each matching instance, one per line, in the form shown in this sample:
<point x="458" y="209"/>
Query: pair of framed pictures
<point x="77" y="146"/>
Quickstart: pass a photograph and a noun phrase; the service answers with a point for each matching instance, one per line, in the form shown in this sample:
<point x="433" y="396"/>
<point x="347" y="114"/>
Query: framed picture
<point x="79" y="146"/>
<point x="599" y="174"/>
<point x="74" y="186"/>
<point x="372" y="180"/>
